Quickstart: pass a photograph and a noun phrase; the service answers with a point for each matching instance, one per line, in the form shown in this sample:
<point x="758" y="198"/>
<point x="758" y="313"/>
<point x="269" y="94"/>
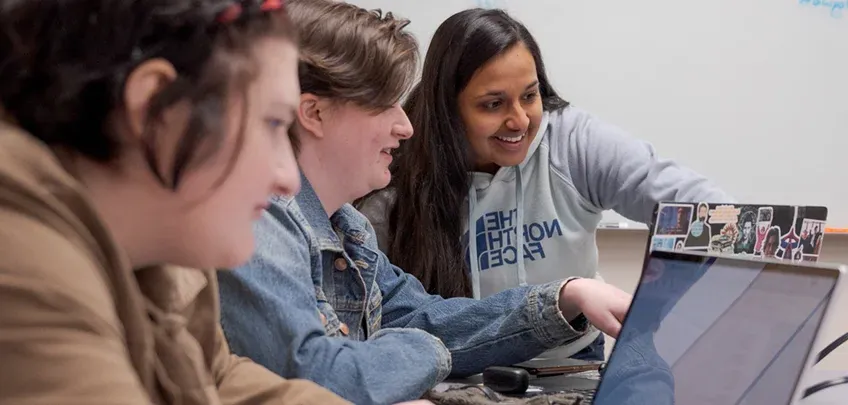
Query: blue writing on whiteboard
<point x="835" y="7"/>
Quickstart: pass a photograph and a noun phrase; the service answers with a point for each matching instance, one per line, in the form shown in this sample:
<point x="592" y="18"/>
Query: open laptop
<point x="786" y="232"/>
<point x="707" y="329"/>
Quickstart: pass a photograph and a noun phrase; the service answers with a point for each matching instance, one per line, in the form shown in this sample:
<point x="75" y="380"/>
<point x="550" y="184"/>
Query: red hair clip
<point x="234" y="11"/>
<point x="271" y="5"/>
<point x="230" y="14"/>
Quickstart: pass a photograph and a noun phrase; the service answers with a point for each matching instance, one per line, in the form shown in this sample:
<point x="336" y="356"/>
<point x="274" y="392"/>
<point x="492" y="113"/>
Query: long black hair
<point x="431" y="173"/>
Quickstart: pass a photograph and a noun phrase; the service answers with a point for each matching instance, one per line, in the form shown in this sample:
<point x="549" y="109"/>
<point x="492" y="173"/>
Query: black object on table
<point x="507" y="380"/>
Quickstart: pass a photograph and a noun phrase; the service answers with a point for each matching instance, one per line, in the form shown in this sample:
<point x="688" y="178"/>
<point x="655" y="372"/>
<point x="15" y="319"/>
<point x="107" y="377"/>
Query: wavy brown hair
<point x="351" y="54"/>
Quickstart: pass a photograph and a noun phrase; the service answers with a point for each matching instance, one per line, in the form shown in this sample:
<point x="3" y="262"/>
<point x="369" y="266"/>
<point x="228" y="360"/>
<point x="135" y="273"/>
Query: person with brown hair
<point x="319" y="300"/>
<point x="135" y="134"/>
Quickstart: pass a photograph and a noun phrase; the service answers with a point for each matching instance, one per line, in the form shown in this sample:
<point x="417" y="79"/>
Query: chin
<point x="235" y="255"/>
<point x="381" y="182"/>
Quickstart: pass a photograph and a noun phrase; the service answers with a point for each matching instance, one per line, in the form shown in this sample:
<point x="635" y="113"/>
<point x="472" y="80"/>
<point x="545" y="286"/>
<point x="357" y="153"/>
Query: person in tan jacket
<point x="133" y="134"/>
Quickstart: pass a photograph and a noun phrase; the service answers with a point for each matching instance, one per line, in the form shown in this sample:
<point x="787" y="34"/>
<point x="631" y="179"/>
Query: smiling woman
<point x="497" y="91"/>
<point x="498" y="153"/>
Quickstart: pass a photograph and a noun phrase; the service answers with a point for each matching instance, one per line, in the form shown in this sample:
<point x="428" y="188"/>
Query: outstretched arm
<point x="612" y="170"/>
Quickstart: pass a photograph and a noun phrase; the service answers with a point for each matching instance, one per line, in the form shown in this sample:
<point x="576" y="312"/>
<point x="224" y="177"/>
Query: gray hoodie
<point x="577" y="167"/>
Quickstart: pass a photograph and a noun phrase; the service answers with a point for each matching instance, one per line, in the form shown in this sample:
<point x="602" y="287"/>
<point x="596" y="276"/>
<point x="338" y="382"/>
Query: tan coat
<point x="78" y="326"/>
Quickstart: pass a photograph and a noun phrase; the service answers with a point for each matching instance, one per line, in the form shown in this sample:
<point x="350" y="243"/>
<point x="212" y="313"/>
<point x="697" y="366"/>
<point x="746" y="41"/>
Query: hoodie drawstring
<point x="472" y="244"/>
<point x="519" y="227"/>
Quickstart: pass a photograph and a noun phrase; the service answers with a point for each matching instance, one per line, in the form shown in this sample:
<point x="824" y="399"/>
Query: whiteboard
<point x="753" y="94"/>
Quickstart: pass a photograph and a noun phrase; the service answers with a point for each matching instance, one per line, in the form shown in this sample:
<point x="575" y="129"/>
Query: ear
<point x="311" y="113"/>
<point x="143" y="83"/>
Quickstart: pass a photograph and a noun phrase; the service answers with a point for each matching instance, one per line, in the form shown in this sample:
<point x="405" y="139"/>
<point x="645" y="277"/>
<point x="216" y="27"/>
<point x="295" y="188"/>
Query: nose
<point x="403" y="127"/>
<point x="518" y="120"/>
<point x="286" y="175"/>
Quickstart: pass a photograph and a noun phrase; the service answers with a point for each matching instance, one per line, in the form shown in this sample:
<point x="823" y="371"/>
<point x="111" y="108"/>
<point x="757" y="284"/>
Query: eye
<point x="531" y="96"/>
<point x="276" y="126"/>
<point x="492" y="105"/>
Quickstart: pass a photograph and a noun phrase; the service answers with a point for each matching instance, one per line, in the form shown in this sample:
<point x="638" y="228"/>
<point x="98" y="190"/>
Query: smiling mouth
<point x="388" y="150"/>
<point x="511" y="139"/>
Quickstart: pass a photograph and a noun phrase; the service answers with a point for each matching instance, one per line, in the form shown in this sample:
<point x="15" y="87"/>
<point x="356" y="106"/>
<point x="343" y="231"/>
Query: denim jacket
<point x="320" y="301"/>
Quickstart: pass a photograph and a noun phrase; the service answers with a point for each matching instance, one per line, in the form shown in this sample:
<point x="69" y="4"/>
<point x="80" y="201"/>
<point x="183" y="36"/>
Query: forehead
<point x="514" y="68"/>
<point x="277" y="67"/>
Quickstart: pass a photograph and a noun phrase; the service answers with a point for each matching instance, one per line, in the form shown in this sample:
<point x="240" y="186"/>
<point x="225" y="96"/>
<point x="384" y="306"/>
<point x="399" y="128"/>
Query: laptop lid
<point x="787" y="232"/>
<point x="717" y="330"/>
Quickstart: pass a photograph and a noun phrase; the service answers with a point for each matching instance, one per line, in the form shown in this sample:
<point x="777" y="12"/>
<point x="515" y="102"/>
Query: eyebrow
<point x="501" y="92"/>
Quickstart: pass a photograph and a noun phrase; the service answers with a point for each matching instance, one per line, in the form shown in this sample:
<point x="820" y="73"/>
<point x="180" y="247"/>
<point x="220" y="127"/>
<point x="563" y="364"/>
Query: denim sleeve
<point x="509" y="327"/>
<point x="269" y="314"/>
<point x="614" y="171"/>
<point x="637" y="375"/>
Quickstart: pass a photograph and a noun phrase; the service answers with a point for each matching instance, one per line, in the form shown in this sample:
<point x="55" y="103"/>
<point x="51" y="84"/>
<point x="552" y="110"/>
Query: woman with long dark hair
<point x="499" y="153"/>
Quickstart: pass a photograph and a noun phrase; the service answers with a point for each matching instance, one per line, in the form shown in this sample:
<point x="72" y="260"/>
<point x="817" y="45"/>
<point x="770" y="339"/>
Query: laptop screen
<point x="705" y="330"/>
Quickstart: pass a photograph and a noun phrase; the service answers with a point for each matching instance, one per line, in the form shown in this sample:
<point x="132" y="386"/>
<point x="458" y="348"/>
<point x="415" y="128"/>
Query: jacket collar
<point x="346" y="220"/>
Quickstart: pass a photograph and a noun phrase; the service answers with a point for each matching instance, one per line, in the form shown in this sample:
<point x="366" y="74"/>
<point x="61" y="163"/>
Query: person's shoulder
<point x="353" y="221"/>
<point x="577" y="133"/>
<point x="60" y="311"/>
<point x="58" y="257"/>
<point x="567" y="120"/>
<point x="282" y="223"/>
<point x="43" y="268"/>
<point x="284" y="213"/>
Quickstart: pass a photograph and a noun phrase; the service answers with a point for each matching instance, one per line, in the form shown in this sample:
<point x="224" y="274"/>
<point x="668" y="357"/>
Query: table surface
<point x="830" y="396"/>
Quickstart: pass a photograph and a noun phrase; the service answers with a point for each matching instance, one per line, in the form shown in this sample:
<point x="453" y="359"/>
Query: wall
<point x="737" y="90"/>
<point x="622" y="252"/>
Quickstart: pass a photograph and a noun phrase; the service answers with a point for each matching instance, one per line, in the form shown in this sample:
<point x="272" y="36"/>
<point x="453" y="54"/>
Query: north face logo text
<point x="495" y="236"/>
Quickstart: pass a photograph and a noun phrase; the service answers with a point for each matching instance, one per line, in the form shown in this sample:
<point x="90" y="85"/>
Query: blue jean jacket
<point x="320" y="301"/>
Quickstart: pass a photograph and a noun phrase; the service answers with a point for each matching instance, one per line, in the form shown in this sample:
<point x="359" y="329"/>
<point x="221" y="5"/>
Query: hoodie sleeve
<point x="614" y="171"/>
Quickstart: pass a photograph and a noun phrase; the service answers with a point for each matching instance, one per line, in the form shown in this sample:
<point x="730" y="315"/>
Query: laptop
<point x="785" y="232"/>
<point x="711" y="329"/>
<point x="708" y="329"/>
